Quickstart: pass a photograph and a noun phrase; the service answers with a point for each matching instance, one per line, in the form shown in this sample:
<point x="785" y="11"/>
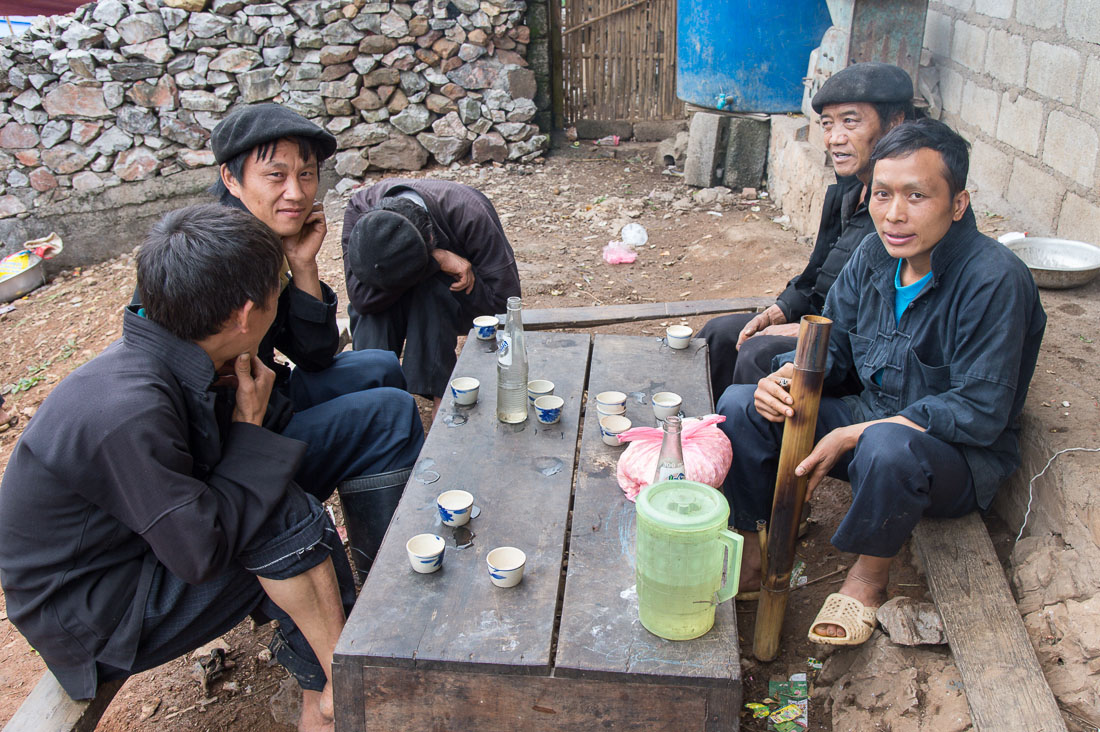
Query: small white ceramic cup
<point x="538" y="388"/>
<point x="678" y="336"/>
<point x="608" y="411"/>
<point x="611" y="400"/>
<point x="666" y="404"/>
<point x="426" y="552"/>
<point x="506" y="566"/>
<point x="486" y="327"/>
<point x="464" y="390"/>
<point x="548" y="409"/>
<point x="613" y="426"/>
<point x="454" y="507"/>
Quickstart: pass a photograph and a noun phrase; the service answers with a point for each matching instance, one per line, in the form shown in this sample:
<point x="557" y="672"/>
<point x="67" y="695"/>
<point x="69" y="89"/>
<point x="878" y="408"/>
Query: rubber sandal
<point x="857" y="620"/>
<point x="751" y="596"/>
<point x="9" y="424"/>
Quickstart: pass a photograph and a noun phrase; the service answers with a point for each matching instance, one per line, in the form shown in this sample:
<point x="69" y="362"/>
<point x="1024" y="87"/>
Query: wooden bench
<point x="49" y="709"/>
<point x="589" y="317"/>
<point x="1005" y="687"/>
<point x="450" y="651"/>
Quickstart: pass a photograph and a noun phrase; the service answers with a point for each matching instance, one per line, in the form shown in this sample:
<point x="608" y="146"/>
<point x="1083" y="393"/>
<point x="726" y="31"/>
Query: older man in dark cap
<point x="362" y="427"/>
<point x="422" y="259"/>
<point x="858" y="106"/>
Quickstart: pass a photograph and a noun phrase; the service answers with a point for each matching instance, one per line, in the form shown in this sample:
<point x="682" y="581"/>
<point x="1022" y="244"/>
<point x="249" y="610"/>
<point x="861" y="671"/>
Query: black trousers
<point x="424" y="323"/>
<point x="747" y="366"/>
<point x="179" y="617"/>
<point x="898" y="474"/>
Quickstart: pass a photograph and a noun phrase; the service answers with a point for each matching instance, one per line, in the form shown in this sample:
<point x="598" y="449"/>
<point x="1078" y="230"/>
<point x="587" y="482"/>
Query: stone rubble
<point x="127" y="90"/>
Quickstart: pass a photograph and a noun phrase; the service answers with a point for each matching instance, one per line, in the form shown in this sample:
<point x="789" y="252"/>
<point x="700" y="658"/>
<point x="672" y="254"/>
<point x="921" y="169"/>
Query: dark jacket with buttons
<point x="844" y="224"/>
<point x="131" y="461"/>
<point x="961" y="358"/>
<point x="465" y="223"/>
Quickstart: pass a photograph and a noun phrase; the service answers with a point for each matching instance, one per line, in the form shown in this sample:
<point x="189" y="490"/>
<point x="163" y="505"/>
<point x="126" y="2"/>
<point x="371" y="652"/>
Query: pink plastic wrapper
<point x="707" y="454"/>
<point x="618" y="253"/>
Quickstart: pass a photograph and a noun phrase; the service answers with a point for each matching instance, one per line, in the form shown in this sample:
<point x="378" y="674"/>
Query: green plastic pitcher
<point x="682" y="547"/>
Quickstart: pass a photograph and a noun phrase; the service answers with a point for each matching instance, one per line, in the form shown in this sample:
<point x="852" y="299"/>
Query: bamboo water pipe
<point x="790" y="489"/>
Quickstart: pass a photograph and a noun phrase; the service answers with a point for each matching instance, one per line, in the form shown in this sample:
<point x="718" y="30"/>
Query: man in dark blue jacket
<point x="857" y="106"/>
<point x="422" y="259"/>
<point x="145" y="510"/>
<point x="942" y="325"/>
<point x="362" y="427"/>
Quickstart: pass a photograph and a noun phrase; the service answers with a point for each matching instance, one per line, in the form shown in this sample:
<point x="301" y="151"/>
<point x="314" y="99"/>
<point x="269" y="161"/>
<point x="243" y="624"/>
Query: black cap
<point x="254" y="124"/>
<point x="386" y="251"/>
<point x="870" y="82"/>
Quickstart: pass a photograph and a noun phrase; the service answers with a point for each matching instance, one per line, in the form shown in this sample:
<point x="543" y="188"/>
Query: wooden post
<point x="790" y="490"/>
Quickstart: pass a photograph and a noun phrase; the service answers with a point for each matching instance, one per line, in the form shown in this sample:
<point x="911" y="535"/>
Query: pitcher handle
<point x="733" y="544"/>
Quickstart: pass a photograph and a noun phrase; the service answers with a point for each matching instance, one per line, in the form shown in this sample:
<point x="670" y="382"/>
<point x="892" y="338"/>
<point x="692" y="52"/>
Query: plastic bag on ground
<point x="617" y="252"/>
<point x="707" y="454"/>
<point x="634" y="235"/>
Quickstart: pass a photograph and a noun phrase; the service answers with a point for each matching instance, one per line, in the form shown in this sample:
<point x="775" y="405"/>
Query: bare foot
<point x="317" y="711"/>
<point x="866" y="582"/>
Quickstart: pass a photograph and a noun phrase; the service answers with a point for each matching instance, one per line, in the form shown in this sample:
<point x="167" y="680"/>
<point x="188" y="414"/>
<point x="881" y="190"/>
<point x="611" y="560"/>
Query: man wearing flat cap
<point x="857" y="107"/>
<point x="361" y="426"/>
<point x="423" y="258"/>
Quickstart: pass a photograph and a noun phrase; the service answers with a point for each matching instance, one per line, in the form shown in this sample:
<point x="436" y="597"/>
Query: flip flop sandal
<point x="9" y="424"/>
<point x="857" y="620"/>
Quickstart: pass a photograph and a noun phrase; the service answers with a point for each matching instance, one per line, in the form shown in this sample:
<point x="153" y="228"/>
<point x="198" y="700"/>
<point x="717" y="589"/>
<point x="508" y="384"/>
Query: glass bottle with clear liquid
<point x="670" y="462"/>
<point x="512" y="367"/>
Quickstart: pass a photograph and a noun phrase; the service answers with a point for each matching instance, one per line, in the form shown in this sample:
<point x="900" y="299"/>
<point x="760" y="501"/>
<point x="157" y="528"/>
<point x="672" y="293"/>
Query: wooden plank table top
<point x="450" y="651"/>
<point x="600" y="635"/>
<point x="521" y="478"/>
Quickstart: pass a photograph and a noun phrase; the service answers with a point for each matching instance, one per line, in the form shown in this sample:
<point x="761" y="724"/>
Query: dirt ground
<point x="558" y="215"/>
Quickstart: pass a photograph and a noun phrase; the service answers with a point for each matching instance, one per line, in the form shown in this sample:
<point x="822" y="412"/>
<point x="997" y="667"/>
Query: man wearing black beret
<point x="423" y="258"/>
<point x="858" y="106"/>
<point x="362" y="427"/>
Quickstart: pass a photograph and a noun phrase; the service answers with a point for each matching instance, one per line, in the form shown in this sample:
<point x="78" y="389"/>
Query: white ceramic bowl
<point x="464" y="390"/>
<point x="666" y="404"/>
<point x="678" y="336"/>
<point x="485" y="327"/>
<point x="538" y="388"/>
<point x="506" y="566"/>
<point x="426" y="552"/>
<point x="611" y="427"/>
<point x="548" y="409"/>
<point x="454" y="507"/>
<point x="611" y="399"/>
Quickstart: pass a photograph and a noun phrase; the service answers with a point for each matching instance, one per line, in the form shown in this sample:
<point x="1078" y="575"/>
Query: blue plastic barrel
<point x="746" y="55"/>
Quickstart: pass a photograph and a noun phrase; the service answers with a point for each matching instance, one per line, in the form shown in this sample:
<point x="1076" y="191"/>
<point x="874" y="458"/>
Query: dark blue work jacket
<point x="960" y="360"/>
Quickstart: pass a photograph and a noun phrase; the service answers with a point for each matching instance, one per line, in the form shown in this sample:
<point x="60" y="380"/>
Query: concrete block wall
<point x="1020" y="79"/>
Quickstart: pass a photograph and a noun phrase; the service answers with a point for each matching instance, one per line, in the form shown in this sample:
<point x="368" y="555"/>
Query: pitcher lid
<point x="684" y="504"/>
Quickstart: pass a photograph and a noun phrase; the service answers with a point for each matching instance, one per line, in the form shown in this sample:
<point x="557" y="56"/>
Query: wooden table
<point x="564" y="649"/>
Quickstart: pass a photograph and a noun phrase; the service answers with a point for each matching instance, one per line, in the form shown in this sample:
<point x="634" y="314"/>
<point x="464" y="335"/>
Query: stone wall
<point x="125" y="93"/>
<point x="1020" y="79"/>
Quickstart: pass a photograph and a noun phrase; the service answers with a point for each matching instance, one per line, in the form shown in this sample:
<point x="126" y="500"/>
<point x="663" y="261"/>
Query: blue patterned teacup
<point x="486" y="327"/>
<point x="454" y="507"/>
<point x="464" y="390"/>
<point x="506" y="566"/>
<point x="548" y="409"/>
<point x="426" y="552"/>
<point x="538" y="388"/>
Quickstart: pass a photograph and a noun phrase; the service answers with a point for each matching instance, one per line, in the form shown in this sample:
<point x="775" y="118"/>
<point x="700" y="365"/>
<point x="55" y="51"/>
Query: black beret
<point x="870" y="82"/>
<point x="254" y="124"/>
<point x="386" y="251"/>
